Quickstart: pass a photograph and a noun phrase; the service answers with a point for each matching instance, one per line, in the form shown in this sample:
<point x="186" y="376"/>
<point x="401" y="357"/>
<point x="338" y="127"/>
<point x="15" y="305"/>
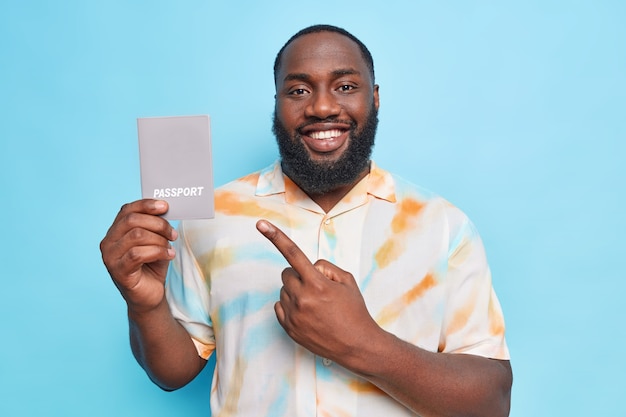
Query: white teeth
<point x="325" y="134"/>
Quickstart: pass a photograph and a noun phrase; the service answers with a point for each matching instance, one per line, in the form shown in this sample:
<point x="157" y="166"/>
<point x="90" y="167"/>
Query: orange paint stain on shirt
<point x="376" y="180"/>
<point x="206" y="352"/>
<point x="291" y="187"/>
<point x="392" y="311"/>
<point x="294" y="194"/>
<point x="365" y="387"/>
<point x="460" y="318"/>
<point x="442" y="346"/>
<point x="380" y="186"/>
<point x="424" y="285"/>
<point x="250" y="179"/>
<point x="233" y="391"/>
<point x="215" y="260"/>
<point x="230" y="203"/>
<point x="496" y="320"/>
<point x="388" y="252"/>
<point x="403" y="221"/>
<point x="405" y="217"/>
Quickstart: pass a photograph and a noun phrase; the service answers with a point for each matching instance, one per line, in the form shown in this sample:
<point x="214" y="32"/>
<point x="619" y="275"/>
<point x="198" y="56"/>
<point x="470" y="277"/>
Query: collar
<point x="378" y="183"/>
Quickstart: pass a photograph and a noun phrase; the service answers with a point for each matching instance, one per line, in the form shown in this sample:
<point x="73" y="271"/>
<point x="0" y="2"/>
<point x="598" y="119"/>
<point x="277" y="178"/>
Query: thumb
<point x="334" y="273"/>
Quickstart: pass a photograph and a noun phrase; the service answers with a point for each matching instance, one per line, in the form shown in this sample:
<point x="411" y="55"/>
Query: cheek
<point x="358" y="107"/>
<point x="358" y="113"/>
<point x="288" y="114"/>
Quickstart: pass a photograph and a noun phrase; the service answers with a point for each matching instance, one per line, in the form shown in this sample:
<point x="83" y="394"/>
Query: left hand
<point x="321" y="306"/>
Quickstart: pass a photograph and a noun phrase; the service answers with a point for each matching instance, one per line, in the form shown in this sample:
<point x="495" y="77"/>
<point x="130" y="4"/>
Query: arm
<point x="322" y="309"/>
<point x="435" y="384"/>
<point x="137" y="252"/>
<point x="163" y="348"/>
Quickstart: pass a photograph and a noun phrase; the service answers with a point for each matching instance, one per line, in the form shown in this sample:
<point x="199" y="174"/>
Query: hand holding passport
<point x="176" y="164"/>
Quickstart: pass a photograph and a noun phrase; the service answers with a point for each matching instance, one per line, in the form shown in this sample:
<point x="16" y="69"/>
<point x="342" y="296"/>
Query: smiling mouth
<point x="325" y="134"/>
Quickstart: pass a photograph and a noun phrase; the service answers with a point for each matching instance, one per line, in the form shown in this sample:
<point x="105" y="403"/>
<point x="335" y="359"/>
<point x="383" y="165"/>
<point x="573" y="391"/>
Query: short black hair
<point x="367" y="56"/>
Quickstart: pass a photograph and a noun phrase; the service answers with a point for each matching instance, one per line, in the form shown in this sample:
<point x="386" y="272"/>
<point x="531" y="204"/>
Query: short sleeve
<point x="188" y="296"/>
<point x="473" y="321"/>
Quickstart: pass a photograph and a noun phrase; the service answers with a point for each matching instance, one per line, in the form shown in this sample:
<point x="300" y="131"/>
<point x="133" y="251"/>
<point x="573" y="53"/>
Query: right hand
<point x="136" y="251"/>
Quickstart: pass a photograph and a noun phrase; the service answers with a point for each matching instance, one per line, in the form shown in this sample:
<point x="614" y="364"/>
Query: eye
<point x="346" y="87"/>
<point x="297" y="92"/>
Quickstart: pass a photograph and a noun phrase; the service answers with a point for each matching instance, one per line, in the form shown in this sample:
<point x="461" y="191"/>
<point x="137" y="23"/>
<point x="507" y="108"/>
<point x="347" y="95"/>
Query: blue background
<point x="513" y="110"/>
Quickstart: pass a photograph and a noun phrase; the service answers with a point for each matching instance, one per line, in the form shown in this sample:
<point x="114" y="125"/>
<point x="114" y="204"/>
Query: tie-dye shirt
<point x="417" y="259"/>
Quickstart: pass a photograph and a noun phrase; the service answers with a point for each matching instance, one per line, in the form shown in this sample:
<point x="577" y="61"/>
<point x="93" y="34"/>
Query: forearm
<point x="437" y="384"/>
<point x="163" y="348"/>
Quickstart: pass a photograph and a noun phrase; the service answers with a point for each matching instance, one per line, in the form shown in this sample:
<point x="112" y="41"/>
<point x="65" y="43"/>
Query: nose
<point x="322" y="105"/>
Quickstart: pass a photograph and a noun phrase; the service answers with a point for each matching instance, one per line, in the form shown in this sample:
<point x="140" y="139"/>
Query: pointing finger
<point x="292" y="253"/>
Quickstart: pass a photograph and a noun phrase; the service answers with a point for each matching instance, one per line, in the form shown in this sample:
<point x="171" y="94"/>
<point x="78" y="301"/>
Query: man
<point x="386" y="308"/>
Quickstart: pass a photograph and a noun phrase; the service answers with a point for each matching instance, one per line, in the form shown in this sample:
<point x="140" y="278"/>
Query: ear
<point x="376" y="97"/>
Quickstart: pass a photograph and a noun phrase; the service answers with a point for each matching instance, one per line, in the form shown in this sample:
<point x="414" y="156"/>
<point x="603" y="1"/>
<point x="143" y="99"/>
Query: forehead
<point x="322" y="52"/>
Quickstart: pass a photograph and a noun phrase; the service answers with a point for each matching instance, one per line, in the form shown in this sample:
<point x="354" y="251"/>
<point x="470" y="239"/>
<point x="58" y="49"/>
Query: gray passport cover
<point x="176" y="166"/>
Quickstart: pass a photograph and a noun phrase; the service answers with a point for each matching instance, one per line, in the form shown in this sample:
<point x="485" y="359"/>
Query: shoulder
<point x="430" y="203"/>
<point x="246" y="184"/>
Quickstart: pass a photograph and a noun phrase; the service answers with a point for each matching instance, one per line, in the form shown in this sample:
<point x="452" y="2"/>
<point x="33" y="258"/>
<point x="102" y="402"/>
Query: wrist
<point x="141" y="313"/>
<point x="365" y="359"/>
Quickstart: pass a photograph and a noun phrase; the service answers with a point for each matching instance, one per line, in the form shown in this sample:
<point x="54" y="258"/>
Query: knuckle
<point x="165" y="227"/>
<point x="292" y="250"/>
<point x="103" y="244"/>
<point x="136" y="234"/>
<point x="318" y="287"/>
<point x="288" y="274"/>
<point x="302" y="303"/>
<point x="107" y="249"/>
<point x="132" y="219"/>
<point x="134" y="255"/>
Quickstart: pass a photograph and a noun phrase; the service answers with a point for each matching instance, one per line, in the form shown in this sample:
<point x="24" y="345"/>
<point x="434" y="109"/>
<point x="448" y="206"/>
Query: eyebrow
<point x="301" y="76"/>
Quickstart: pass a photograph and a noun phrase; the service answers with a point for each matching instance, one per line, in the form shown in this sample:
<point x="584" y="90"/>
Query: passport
<point x="176" y="164"/>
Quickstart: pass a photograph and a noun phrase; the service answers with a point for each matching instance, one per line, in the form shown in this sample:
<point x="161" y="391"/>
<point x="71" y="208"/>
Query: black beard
<point x="315" y="177"/>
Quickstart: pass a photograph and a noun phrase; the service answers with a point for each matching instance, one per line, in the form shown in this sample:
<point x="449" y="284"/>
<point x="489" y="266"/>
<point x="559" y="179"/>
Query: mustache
<point x="337" y="120"/>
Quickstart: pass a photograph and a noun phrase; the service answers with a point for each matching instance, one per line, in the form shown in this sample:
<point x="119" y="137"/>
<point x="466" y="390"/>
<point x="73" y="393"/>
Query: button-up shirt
<point x="417" y="259"/>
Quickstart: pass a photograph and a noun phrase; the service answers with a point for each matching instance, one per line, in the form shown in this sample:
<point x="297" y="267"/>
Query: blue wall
<point x="514" y="111"/>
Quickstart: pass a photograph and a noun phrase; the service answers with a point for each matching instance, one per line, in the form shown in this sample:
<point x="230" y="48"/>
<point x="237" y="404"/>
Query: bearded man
<point x="325" y="285"/>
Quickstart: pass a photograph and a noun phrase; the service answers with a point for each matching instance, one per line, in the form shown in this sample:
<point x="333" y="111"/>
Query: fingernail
<point x="262" y="226"/>
<point x="159" y="205"/>
<point x="174" y="234"/>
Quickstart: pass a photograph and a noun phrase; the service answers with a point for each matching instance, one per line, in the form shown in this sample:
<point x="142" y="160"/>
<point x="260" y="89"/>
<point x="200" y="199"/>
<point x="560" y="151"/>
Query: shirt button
<point x="327" y="362"/>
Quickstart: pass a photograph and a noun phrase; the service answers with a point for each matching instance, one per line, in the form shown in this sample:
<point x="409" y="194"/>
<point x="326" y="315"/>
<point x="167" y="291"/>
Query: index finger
<point x="292" y="253"/>
<point x="142" y="214"/>
<point x="146" y="205"/>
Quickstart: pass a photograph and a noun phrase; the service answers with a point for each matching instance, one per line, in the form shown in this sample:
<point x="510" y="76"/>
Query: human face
<point x="326" y="112"/>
